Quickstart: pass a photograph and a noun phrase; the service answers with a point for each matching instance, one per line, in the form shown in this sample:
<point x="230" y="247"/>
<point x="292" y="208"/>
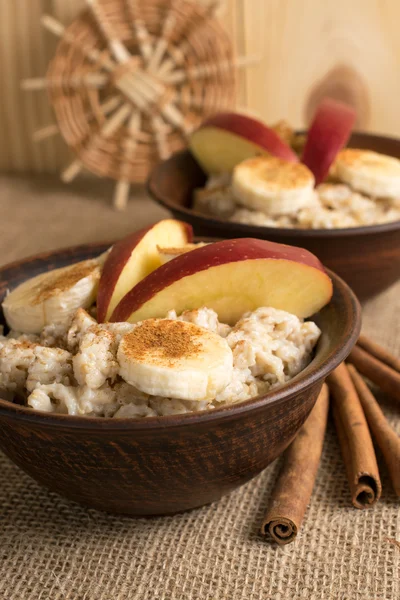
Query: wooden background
<point x="308" y="48"/>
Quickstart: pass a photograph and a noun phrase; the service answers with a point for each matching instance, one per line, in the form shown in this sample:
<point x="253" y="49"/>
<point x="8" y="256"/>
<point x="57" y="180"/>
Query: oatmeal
<point x="194" y="327"/>
<point x="333" y="205"/>
<point x="76" y="370"/>
<point x="271" y="176"/>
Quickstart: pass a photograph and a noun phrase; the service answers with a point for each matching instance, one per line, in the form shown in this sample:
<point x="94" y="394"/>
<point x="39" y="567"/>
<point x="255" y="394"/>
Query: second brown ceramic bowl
<point x="368" y="258"/>
<point x="164" y="465"/>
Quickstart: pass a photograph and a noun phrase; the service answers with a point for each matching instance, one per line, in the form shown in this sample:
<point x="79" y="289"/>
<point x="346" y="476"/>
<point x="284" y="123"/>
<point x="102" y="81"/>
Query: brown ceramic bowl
<point x="368" y="258"/>
<point x="163" y="465"/>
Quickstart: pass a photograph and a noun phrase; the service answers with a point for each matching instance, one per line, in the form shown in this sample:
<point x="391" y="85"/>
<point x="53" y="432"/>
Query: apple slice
<point x="328" y="134"/>
<point x="167" y="254"/>
<point x="226" y="139"/>
<point x="133" y="258"/>
<point x="232" y="277"/>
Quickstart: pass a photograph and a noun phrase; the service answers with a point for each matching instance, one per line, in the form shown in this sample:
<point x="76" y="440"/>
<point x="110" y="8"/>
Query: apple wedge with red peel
<point x="232" y="277"/>
<point x="133" y="258"/>
<point x="226" y="139"/>
<point x="328" y="134"/>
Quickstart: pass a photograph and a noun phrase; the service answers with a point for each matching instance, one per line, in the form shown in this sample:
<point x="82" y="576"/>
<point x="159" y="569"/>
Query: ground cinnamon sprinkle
<point x="171" y="250"/>
<point x="179" y="250"/>
<point x="171" y="339"/>
<point x="59" y="282"/>
<point x="27" y="345"/>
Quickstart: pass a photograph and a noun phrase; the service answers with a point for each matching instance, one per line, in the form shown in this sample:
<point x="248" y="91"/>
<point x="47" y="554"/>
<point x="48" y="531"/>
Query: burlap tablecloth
<point x="53" y="549"/>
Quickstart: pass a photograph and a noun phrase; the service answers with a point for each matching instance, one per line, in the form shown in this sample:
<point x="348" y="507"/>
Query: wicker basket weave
<point x="181" y="61"/>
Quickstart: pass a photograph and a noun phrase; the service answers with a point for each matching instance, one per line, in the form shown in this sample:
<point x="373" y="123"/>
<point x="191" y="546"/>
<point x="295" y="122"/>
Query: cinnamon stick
<point x="296" y="480"/>
<point x="386" y="438"/>
<point x="383" y="376"/>
<point x="354" y="439"/>
<point x="379" y="352"/>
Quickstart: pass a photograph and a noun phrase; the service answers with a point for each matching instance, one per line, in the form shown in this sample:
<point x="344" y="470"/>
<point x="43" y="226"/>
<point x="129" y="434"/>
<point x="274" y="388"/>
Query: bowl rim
<point x="251" y="230"/>
<point x="300" y="383"/>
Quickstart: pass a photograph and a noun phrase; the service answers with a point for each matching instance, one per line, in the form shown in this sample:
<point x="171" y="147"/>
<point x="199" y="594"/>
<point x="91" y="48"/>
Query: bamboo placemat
<point x="53" y="549"/>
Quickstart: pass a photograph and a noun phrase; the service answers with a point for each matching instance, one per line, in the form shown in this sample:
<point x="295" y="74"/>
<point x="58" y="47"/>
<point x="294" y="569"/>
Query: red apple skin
<point x="115" y="263"/>
<point x="328" y="134"/>
<point x="254" y="131"/>
<point x="218" y="253"/>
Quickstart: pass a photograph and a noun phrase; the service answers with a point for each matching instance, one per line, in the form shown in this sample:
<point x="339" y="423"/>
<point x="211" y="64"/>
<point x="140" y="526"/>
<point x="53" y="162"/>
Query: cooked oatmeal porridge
<point x="75" y="369"/>
<point x="333" y="205"/>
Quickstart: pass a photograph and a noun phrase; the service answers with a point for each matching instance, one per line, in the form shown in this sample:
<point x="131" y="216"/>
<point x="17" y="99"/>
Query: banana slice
<point x="175" y="359"/>
<point x="52" y="297"/>
<point x="369" y="172"/>
<point x="272" y="185"/>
